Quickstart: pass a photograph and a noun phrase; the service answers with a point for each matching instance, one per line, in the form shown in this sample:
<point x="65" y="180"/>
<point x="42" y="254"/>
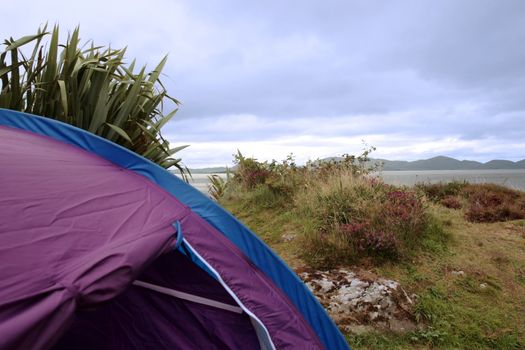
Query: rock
<point x="459" y="273"/>
<point x="357" y="283"/>
<point x="326" y="285"/>
<point x="483" y="285"/>
<point x="401" y="326"/>
<point x="358" y="329"/>
<point x="288" y="237"/>
<point x="360" y="305"/>
<point x="385" y="303"/>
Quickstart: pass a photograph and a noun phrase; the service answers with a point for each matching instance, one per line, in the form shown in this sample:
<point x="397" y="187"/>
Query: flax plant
<point x="90" y="87"/>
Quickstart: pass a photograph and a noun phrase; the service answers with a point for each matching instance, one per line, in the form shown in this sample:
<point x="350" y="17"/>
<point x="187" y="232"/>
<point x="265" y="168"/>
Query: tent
<point x="102" y="249"/>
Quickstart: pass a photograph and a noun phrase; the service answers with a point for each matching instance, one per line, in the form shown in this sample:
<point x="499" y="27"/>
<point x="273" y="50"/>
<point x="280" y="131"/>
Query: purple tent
<point x="102" y="249"/>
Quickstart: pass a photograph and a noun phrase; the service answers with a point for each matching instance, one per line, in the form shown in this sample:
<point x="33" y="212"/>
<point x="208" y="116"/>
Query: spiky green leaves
<point x="90" y="87"/>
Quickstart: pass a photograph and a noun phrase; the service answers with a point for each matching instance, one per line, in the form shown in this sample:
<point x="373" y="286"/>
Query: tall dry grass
<point x="353" y="217"/>
<point x="345" y="214"/>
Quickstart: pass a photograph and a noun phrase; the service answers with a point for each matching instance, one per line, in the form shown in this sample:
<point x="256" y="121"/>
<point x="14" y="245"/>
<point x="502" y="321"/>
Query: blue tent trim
<point x="251" y="245"/>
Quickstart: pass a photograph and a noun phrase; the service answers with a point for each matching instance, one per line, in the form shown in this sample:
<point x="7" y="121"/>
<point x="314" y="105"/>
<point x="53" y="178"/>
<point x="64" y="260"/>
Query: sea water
<point x="510" y="178"/>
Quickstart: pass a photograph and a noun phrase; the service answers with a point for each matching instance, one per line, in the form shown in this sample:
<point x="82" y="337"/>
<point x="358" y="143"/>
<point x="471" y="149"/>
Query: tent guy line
<point x="187" y="296"/>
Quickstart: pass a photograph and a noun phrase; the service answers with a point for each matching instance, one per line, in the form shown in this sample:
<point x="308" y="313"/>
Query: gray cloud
<point x="418" y="72"/>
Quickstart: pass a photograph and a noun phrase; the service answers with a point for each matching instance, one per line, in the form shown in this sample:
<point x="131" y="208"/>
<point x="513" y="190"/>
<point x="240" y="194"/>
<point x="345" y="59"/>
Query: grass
<point x="482" y="308"/>
<point x="458" y="314"/>
<point x="466" y="315"/>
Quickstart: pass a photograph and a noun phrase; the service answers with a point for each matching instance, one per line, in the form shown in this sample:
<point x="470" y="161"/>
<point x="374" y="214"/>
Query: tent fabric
<point x="270" y="269"/>
<point x="196" y="330"/>
<point x="250" y="285"/>
<point x="75" y="230"/>
<point x="83" y="226"/>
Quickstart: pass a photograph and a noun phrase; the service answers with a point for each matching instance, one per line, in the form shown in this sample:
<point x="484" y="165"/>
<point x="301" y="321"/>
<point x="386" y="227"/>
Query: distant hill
<point x="436" y="163"/>
<point x="214" y="170"/>
<point x="447" y="163"/>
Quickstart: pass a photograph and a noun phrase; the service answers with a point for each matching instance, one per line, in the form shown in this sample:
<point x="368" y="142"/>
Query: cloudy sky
<point x="318" y="78"/>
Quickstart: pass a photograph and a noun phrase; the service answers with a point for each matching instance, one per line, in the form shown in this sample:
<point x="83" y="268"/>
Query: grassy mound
<point x="354" y="219"/>
<point x="346" y="216"/>
<point x="466" y="275"/>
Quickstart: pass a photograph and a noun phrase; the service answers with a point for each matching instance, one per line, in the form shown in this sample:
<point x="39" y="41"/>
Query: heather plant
<point x="354" y="217"/>
<point x="365" y="240"/>
<point x="482" y="202"/>
<point x="451" y="202"/>
<point x="404" y="212"/>
<point x="492" y="203"/>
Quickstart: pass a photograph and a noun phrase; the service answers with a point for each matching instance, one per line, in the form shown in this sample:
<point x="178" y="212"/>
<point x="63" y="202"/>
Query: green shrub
<point x="90" y="87"/>
<point x="249" y="172"/>
<point x="439" y="191"/>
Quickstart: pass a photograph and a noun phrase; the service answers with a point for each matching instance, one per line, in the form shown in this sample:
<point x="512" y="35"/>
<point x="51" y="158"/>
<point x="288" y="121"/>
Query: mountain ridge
<point x="448" y="163"/>
<point x="434" y="163"/>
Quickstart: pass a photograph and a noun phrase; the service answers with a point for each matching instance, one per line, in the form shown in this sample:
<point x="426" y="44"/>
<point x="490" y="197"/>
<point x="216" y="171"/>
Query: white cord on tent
<point x="189" y="297"/>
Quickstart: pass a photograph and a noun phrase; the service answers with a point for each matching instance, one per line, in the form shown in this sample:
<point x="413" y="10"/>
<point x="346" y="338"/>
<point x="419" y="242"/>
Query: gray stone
<point x="459" y="273"/>
<point x="352" y="301"/>
<point x="288" y="237"/>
